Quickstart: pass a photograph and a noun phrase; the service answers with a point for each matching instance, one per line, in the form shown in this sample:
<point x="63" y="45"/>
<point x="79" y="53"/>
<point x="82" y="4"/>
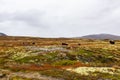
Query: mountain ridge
<point x="2" y="34"/>
<point x="102" y="36"/>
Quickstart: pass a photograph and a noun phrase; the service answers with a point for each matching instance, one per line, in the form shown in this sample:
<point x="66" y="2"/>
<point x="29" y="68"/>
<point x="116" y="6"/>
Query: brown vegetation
<point x="46" y="55"/>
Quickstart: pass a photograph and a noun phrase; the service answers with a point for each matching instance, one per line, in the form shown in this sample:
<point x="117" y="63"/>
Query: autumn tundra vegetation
<point x="32" y="58"/>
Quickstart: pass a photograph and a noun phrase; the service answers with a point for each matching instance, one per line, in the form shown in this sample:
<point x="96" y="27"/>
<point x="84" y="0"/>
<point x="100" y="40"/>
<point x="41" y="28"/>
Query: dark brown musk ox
<point x="112" y="42"/>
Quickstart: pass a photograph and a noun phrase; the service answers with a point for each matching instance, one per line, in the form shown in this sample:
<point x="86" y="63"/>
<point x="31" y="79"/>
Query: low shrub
<point x="64" y="63"/>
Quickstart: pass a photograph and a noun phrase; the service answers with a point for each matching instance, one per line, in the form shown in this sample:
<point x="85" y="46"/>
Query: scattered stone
<point x="2" y="75"/>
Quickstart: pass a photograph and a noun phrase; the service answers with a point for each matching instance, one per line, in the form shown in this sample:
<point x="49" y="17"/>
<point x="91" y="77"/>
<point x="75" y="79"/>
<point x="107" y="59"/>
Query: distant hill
<point x="102" y="36"/>
<point x="2" y="34"/>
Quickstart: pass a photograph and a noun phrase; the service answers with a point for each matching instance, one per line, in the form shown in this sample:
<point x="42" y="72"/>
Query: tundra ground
<point x="28" y="58"/>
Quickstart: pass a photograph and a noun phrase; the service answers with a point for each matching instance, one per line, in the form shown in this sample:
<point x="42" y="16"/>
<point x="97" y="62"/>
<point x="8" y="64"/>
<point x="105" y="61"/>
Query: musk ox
<point x="112" y="42"/>
<point x="33" y="43"/>
<point x="65" y="44"/>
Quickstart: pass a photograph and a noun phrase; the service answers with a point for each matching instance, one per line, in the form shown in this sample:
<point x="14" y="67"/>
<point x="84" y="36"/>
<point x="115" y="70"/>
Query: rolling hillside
<point x="102" y="36"/>
<point x="2" y="34"/>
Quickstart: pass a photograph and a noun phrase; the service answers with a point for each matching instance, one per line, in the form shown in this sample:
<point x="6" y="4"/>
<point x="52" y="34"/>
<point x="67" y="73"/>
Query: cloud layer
<point x="63" y="18"/>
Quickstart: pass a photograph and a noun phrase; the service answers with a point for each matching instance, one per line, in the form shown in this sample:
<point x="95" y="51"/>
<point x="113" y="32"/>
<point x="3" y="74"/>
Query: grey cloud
<point x="65" y="18"/>
<point x="4" y="17"/>
<point x="31" y="18"/>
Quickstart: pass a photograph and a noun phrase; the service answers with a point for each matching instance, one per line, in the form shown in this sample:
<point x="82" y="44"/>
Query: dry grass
<point x="47" y="55"/>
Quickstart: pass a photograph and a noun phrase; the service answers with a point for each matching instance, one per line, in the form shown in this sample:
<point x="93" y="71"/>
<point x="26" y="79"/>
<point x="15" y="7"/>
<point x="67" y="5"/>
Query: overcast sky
<point x="59" y="18"/>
